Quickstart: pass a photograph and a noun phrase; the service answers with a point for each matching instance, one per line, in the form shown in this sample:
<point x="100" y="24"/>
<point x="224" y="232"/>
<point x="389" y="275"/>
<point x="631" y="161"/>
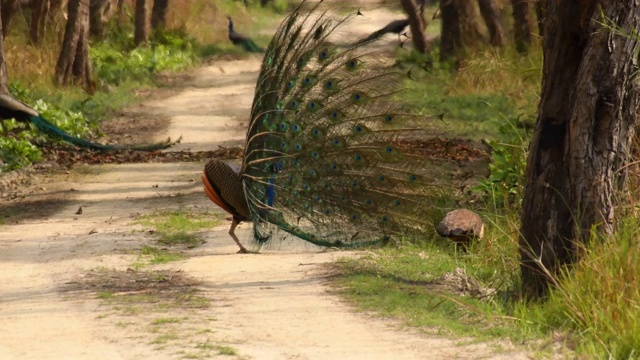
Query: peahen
<point x="242" y="40"/>
<point x="11" y="108"/>
<point x="396" y="27"/>
<point x="328" y="154"/>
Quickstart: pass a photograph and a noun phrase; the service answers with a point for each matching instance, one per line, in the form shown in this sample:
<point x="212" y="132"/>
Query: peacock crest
<point x="327" y="154"/>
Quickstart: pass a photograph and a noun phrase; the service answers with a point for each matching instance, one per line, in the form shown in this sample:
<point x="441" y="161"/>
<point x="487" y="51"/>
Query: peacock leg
<point x="235" y="223"/>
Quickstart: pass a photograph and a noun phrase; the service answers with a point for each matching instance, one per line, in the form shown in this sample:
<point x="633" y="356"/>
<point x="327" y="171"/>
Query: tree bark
<point x="416" y="24"/>
<point x="8" y="8"/>
<point x="100" y="11"/>
<point x="73" y="64"/>
<point x="541" y="9"/>
<point x="39" y="15"/>
<point x="583" y="137"/>
<point x="450" y="42"/>
<point x="4" y="79"/>
<point x="521" y="27"/>
<point x="493" y="20"/>
<point x="470" y="31"/>
<point x="141" y="34"/>
<point x="159" y="14"/>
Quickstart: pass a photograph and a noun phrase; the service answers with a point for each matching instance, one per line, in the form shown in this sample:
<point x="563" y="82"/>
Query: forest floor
<point x="76" y="283"/>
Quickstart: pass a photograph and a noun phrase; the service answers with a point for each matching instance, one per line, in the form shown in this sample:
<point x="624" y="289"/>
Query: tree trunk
<point x="159" y="14"/>
<point x="470" y="31"/>
<point x="521" y="27"/>
<point x="73" y="63"/>
<point x="4" y="79"/>
<point x="141" y="35"/>
<point x="100" y="11"/>
<point x="450" y="42"/>
<point x="416" y="23"/>
<point x="8" y="8"/>
<point x="492" y="18"/>
<point x="39" y="14"/>
<point x="120" y="12"/>
<point x="541" y="9"/>
<point x="583" y="137"/>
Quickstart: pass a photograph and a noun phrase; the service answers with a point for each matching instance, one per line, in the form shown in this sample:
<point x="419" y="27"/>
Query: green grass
<point x="492" y="90"/>
<point x="176" y="228"/>
<point x="600" y="298"/>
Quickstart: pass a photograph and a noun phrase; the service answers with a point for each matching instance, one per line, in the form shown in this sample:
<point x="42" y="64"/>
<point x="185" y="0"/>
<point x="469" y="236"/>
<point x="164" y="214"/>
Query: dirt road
<point x="57" y="264"/>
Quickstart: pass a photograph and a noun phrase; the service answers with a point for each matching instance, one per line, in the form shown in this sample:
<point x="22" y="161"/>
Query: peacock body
<point x="11" y="108"/>
<point x="327" y="154"/>
<point x="242" y="40"/>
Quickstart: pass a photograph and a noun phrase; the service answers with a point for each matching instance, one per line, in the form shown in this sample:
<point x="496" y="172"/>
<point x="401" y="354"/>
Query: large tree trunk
<point x="39" y="15"/>
<point x="583" y="137"/>
<point x="521" y="27"/>
<point x="4" y="79"/>
<point x="8" y="8"/>
<point x="493" y="20"/>
<point x="541" y="9"/>
<point x="159" y="14"/>
<point x="450" y="42"/>
<point x="73" y="63"/>
<point x="416" y="23"/>
<point x="141" y="35"/>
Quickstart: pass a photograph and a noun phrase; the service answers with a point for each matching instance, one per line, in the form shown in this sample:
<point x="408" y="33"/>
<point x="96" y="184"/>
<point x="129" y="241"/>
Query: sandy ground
<point x="273" y="305"/>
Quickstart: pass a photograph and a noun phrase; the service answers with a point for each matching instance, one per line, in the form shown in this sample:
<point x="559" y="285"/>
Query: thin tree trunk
<point x="4" y="79"/>
<point x="583" y="137"/>
<point x="159" y="14"/>
<point x="521" y="27"/>
<point x="416" y="23"/>
<point x="39" y="15"/>
<point x="100" y="11"/>
<point x="8" y="8"/>
<point x="493" y="20"/>
<point x="141" y="35"/>
<point x="73" y="63"/>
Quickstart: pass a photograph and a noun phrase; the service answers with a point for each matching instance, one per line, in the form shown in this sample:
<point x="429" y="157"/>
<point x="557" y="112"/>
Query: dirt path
<point x="274" y="305"/>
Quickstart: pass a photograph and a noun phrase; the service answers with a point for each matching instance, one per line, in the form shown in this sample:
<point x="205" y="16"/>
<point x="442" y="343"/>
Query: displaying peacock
<point x="242" y="40"/>
<point x="11" y="108"/>
<point x="329" y="152"/>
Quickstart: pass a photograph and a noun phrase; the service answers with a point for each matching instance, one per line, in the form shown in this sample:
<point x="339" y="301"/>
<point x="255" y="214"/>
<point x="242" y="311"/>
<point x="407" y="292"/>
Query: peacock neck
<point x="230" y="25"/>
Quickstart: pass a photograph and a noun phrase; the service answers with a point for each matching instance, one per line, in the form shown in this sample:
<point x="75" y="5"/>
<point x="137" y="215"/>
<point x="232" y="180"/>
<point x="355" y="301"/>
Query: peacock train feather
<point x="11" y="108"/>
<point x="327" y="154"/>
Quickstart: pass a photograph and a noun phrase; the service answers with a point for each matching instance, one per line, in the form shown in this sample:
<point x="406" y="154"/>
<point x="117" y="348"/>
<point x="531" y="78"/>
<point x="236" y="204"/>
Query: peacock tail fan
<point x="326" y="157"/>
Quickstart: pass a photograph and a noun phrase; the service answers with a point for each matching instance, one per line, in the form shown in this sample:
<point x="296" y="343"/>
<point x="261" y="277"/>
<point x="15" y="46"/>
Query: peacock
<point x="396" y="27"/>
<point x="242" y="40"/>
<point x="329" y="153"/>
<point x="11" y="108"/>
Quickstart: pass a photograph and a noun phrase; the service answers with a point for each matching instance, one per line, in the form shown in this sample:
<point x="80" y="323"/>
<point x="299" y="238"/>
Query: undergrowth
<point x="195" y="29"/>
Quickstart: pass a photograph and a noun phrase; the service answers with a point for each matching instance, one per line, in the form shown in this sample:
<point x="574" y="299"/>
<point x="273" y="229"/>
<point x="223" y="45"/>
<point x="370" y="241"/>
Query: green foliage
<point x="599" y="298"/>
<point x="114" y="65"/>
<point x="505" y="184"/>
<point x="18" y="150"/>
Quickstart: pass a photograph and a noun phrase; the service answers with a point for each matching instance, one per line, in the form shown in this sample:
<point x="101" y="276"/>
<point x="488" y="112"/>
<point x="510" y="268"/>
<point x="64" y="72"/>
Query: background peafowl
<point x="396" y="27"/>
<point x="328" y="154"/>
<point x="11" y="108"/>
<point x="242" y="40"/>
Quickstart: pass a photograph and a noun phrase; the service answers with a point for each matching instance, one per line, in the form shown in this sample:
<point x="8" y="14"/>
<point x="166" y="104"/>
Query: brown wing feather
<point x="224" y="187"/>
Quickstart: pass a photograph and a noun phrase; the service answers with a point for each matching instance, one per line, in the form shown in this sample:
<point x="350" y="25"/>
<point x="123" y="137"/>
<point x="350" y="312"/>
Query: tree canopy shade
<point x="584" y="134"/>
